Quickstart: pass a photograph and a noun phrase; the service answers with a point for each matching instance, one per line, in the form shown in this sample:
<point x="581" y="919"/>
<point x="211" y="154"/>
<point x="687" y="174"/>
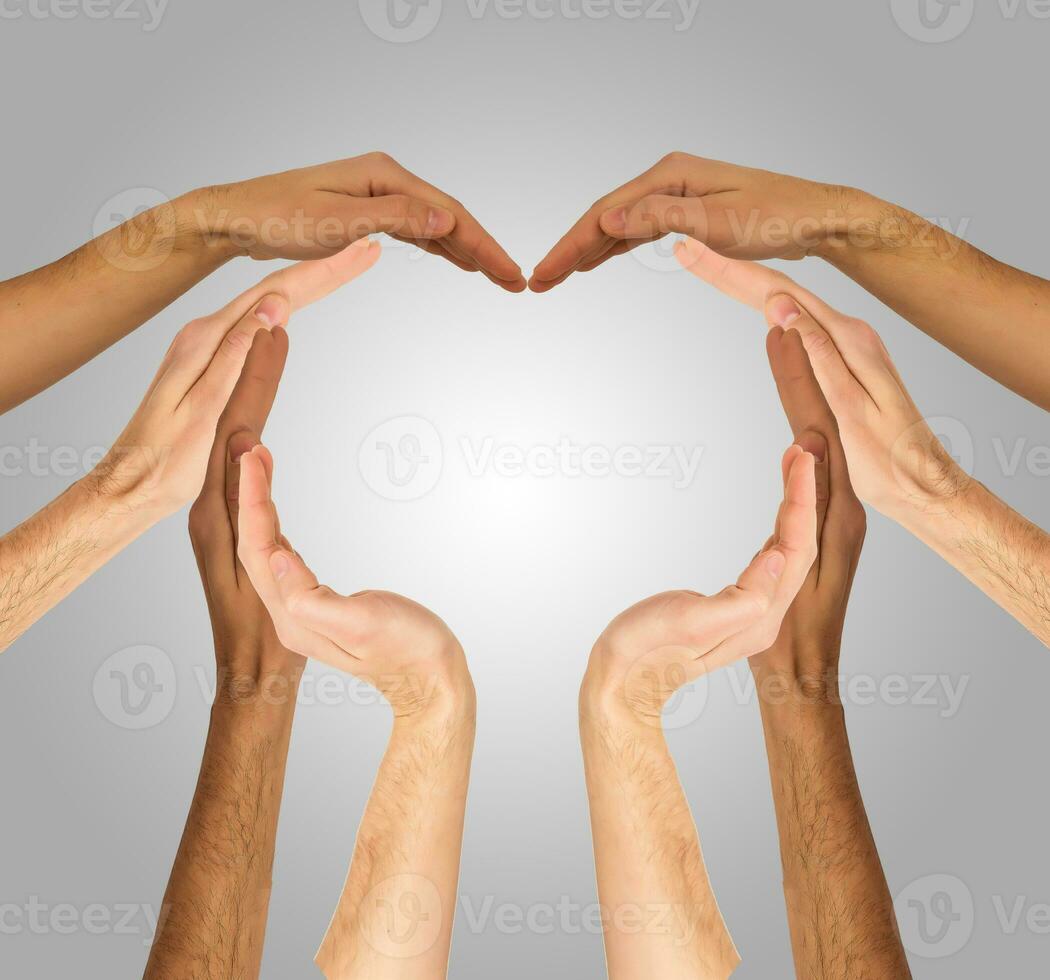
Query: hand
<point x="805" y="657"/>
<point x="663" y="643"/>
<point x="159" y="461"/>
<point x="252" y="664"/>
<point x="895" y="460"/>
<point x="397" y="645"/>
<point x="317" y="211"/>
<point x="737" y="211"/>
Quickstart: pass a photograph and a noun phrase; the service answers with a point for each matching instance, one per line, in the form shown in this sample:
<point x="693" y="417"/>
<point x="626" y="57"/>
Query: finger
<point x="437" y="248"/>
<point x="812" y="421"/>
<point x="747" y="282"/>
<point x="304" y="283"/>
<point x="840" y="385"/>
<point x="248" y="407"/>
<point x="212" y="391"/>
<point x="399" y="214"/>
<point x="468" y="239"/>
<point x="788" y="561"/>
<point x="213" y="524"/>
<point x="815" y="443"/>
<point x="586" y="237"/>
<point x="658" y="215"/>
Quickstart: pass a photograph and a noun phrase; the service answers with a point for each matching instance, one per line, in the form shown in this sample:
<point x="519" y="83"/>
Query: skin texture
<point x="839" y="906"/>
<point x="158" y="463"/>
<point x="992" y="315"/>
<point x="896" y="463"/>
<point x="395" y="916"/>
<point x="217" y="898"/>
<point x="56" y="318"/>
<point x="661" y="916"/>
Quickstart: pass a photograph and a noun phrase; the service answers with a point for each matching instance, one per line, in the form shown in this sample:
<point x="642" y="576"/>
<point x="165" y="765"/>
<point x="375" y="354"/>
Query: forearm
<point x="840" y="909"/>
<point x="660" y="915"/>
<point x="1002" y="553"/>
<point x="214" y="913"/>
<point x="992" y="315"/>
<point x="57" y="318"/>
<point x="45" y="558"/>
<point x="395" y="915"/>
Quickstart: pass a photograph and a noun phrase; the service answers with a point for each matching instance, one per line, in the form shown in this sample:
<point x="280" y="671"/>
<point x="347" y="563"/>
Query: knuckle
<point x="399" y="205"/>
<point x="820" y="346"/>
<point x="675" y="158"/>
<point x="238" y="342"/>
<point x="379" y="157"/>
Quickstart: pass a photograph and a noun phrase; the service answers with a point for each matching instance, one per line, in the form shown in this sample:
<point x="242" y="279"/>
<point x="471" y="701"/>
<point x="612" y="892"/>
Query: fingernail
<point x="279" y="565"/>
<point x="814" y="444"/>
<point x="269" y="311"/>
<point x="775" y="564"/>
<point x="783" y="310"/>
<point x="438" y="223"/>
<point x="616" y="220"/>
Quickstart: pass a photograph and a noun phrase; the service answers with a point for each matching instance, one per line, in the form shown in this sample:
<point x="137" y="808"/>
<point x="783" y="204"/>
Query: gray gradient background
<point x="527" y="121"/>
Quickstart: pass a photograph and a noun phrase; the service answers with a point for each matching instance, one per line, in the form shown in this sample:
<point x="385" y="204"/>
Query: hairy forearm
<point x="214" y="913"/>
<point x="1002" y="553"/>
<point x="395" y="915"/>
<point x="839" y="907"/>
<point x="660" y="915"/>
<point x="45" y="558"/>
<point x="57" y="318"/>
<point x="992" y="315"/>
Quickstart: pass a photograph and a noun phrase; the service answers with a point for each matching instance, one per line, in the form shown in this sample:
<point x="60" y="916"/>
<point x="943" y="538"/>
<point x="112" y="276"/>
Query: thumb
<point x="395" y="214"/>
<point x="658" y="215"/>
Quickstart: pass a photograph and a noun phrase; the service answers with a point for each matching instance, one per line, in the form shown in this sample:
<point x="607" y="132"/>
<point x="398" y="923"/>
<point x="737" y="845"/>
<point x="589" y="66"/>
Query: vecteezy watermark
<point x="403" y="459"/>
<point x="135" y="688"/>
<point x="402" y="917"/>
<point x="938" y="21"/>
<point x="37" y="460"/>
<point x="571" y="918"/>
<point x="682" y="699"/>
<point x="935" y="915"/>
<point x="150" y="12"/>
<point x="405" y="21"/>
<point x="136" y="229"/>
<point x="66" y="919"/>
<point x="938" y="913"/>
<point x="757" y="231"/>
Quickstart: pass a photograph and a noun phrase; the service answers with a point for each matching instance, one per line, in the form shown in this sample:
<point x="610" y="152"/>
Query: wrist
<point x="926" y="481"/>
<point x="799" y="681"/>
<point x="604" y="704"/>
<point x="441" y="695"/>
<point x="129" y="481"/>
<point x="207" y="219"/>
<point x="264" y="690"/>
<point x="860" y="222"/>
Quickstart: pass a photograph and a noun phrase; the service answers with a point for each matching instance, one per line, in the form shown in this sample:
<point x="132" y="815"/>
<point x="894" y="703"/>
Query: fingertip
<point x="272" y="310"/>
<point x="439" y="223"/>
<point x="614" y="222"/>
<point x="782" y="310"/>
<point x="814" y="443"/>
<point x="241" y="442"/>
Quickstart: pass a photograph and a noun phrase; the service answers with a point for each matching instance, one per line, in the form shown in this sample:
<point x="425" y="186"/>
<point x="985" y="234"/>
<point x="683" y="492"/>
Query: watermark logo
<point x="135" y="688"/>
<point x="402" y="459"/>
<point x="933" y="21"/>
<point x="401" y="21"/>
<point x="149" y="12"/>
<point x="143" y="225"/>
<point x="401" y="918"/>
<point x="936" y="916"/>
